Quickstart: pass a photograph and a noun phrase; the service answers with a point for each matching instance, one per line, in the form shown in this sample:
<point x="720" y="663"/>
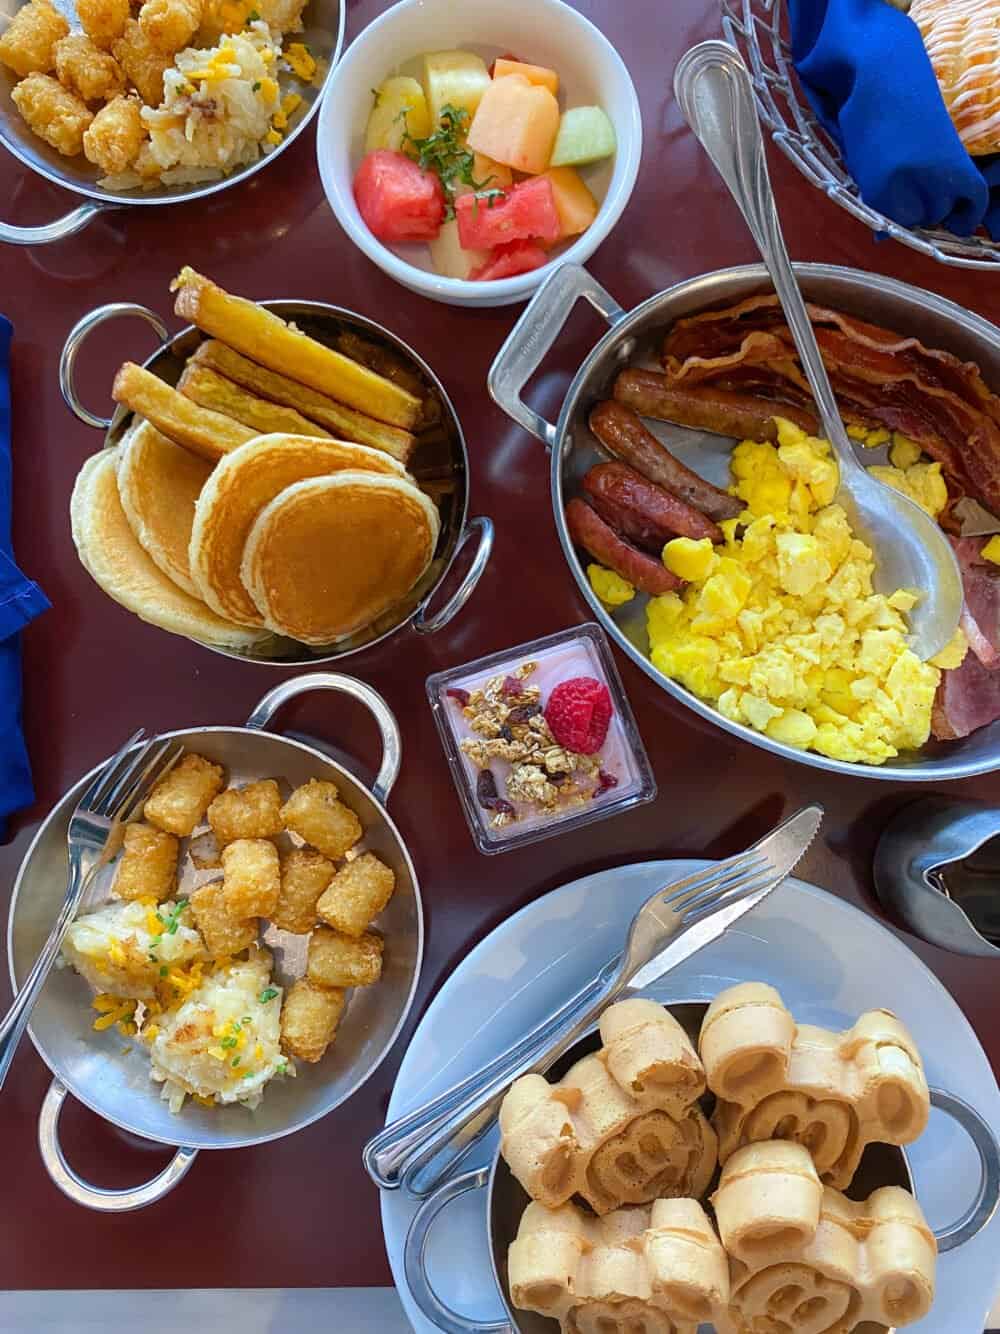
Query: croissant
<point x="962" y="38"/>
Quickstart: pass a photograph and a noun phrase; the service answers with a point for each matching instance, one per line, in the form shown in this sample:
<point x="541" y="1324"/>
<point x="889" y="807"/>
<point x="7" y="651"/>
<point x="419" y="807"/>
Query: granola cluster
<point x="506" y="716"/>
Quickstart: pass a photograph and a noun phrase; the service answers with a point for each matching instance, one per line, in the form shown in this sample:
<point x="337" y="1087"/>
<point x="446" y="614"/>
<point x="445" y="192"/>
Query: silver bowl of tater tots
<point x="170" y="101"/>
<point x="246" y="960"/>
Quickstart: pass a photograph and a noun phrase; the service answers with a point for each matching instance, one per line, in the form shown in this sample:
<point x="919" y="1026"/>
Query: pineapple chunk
<point x="454" y="78"/>
<point x="448" y="257"/>
<point x="400" y="109"/>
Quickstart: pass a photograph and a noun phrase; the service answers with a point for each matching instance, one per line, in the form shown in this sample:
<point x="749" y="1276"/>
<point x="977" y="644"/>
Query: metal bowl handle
<point x="415" y="1260"/>
<point x="98" y="1197"/>
<point x="984" y="1206"/>
<point x="68" y="225"/>
<point x="392" y="746"/>
<point x="74" y="341"/>
<point x="427" y="624"/>
<point x="533" y="335"/>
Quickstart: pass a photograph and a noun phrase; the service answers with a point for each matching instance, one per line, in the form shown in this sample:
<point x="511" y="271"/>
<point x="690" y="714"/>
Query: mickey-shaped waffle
<point x="832" y="1092"/>
<point x="645" y="1270"/>
<point x="622" y="1126"/>
<point x="804" y="1259"/>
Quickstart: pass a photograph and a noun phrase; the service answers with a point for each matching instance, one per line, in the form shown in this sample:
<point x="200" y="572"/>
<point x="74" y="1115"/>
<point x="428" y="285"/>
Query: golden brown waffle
<point x="622" y="1126"/>
<point x="804" y="1259"/>
<point x="649" y="1270"/>
<point x="833" y="1092"/>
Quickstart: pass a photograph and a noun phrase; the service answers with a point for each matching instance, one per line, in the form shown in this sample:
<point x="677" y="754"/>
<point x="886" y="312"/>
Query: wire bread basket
<point x="754" y="28"/>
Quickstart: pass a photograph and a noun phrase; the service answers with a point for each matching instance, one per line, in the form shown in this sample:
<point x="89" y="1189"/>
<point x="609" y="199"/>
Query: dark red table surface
<point x="301" y="1211"/>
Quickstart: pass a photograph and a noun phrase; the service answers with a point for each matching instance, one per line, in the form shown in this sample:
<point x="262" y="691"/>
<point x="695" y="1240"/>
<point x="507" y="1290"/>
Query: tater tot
<point x="178" y="802"/>
<point x="309" y="1019"/>
<point x="148" y="868"/>
<point x="103" y="20"/>
<point x="253" y="811"/>
<point x="357" y="894"/>
<point x="55" y="115"/>
<point x="28" y="44"/>
<point x="86" y="70"/>
<point x="143" y="64"/>
<point x="170" y="24"/>
<point x="115" y="136"/>
<point x="335" y="960"/>
<point x="317" y="815"/>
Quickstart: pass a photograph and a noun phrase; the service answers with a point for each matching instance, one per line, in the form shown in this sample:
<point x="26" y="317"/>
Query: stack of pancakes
<point x="301" y="535"/>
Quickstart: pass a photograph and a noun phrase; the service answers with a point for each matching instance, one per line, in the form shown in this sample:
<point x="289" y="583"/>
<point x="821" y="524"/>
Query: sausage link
<point x="621" y="432"/>
<point x="588" y="530"/>
<point x="743" y="416"/>
<point x="642" y="511"/>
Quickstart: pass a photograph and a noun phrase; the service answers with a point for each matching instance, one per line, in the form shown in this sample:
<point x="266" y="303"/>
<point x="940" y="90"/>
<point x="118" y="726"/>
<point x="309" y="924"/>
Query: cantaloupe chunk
<point x="545" y="78"/>
<point x="576" y="206"/>
<point x="400" y="109"/>
<point x="454" y="78"/>
<point x="516" y="123"/>
<point x="448" y="257"/>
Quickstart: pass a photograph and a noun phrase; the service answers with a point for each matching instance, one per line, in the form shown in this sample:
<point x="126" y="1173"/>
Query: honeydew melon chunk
<point x="400" y="109"/>
<point x="448" y="257"/>
<point x="585" y="135"/>
<point x="454" y="78"/>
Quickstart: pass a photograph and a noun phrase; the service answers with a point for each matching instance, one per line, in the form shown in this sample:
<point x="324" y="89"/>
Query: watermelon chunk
<point x="397" y="200"/>
<point x="507" y="261"/>
<point x="527" y="212"/>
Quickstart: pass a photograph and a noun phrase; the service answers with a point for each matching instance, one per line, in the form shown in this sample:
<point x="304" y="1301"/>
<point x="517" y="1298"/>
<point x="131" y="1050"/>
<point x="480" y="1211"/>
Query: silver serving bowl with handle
<point x="633" y="339"/>
<point x="440" y="465"/>
<point x="881" y="1165"/>
<point x="115" y="1083"/>
<point x="323" y="32"/>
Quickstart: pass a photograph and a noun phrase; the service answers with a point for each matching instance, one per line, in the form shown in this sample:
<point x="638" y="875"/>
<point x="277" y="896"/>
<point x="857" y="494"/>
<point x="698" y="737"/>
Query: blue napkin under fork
<point x="863" y="66"/>
<point x="20" y="602"/>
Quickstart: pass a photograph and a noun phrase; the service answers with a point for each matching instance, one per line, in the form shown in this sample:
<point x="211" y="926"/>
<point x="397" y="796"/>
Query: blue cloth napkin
<point x="863" y="66"/>
<point x="20" y="602"/>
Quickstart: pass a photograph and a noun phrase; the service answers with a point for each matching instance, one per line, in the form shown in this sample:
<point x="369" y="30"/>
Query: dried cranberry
<point x="605" y="782"/>
<point x="558" y="778"/>
<point x="512" y="686"/>
<point x="503" y="807"/>
<point x="506" y="733"/>
<point x="523" y="712"/>
<point x="462" y="696"/>
<point x="486" y="788"/>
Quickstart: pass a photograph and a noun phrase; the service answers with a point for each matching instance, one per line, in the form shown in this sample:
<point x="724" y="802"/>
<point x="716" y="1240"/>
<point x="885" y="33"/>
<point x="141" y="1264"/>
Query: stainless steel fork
<point x="420" y="1149"/>
<point x="94" y="836"/>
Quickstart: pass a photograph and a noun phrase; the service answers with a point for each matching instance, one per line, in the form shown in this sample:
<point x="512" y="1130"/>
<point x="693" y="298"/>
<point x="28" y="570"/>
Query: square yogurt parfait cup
<point x="544" y="32"/>
<point x="615" y="778"/>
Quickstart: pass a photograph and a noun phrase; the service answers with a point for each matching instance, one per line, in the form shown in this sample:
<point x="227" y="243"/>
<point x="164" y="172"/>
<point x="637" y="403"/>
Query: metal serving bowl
<point x="440" y="464"/>
<point x="94" y="1068"/>
<point x="634" y="338"/>
<point x="323" y="32"/>
<point x="881" y="1165"/>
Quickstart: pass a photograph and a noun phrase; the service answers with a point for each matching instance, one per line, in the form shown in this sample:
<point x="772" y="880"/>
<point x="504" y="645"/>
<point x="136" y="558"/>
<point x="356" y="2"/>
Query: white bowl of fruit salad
<point x="466" y="148"/>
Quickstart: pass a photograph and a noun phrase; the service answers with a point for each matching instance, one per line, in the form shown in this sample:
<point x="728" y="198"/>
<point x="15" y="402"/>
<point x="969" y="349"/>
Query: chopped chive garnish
<point x="164" y="970"/>
<point x="235" y="1062"/>
<point x="268" y="994"/>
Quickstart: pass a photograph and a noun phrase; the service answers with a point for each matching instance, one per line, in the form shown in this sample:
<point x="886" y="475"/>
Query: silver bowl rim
<point x="247" y="1141"/>
<point x="325" y="308"/>
<point x="937" y="772"/>
<point x="185" y="193"/>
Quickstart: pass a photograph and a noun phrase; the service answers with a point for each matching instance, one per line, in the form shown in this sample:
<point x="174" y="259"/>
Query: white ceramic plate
<point x="829" y="960"/>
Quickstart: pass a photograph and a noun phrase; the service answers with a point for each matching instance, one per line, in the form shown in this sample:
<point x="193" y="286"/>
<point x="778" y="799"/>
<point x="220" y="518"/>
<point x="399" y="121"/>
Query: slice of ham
<point x="881" y="378"/>
<point x="968" y="698"/>
<point x="981" y="612"/>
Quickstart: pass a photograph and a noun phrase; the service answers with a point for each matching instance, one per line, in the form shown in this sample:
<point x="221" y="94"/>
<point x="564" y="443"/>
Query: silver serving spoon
<point x="713" y="89"/>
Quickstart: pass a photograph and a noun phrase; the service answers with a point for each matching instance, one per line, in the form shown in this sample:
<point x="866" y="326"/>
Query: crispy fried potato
<point x="251" y="877"/>
<point x="335" y="960"/>
<point x="309" y="1019"/>
<point x="206" y="433"/>
<point x="148" y="868"/>
<point x="28" y="45"/>
<point x="115" y="135"/>
<point x="143" y="64"/>
<point x="103" y="20"/>
<point x="357" y="894"/>
<point x="170" y="24"/>
<point x="253" y="811"/>
<point x="304" y="876"/>
<point x="342" y="422"/>
<point x="56" y="115"/>
<point x="259" y="334"/>
<point x="178" y="802"/>
<point x="223" y="934"/>
<point x="211" y="390"/>
<point x="315" y="812"/>
<point x="94" y="75"/>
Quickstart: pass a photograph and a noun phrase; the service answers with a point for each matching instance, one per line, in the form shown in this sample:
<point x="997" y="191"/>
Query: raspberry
<point x="578" y="714"/>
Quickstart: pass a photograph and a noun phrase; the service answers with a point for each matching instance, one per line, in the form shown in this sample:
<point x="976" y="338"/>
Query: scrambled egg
<point x="780" y="627"/>
<point x="224" y="1043"/>
<point x="126" y="948"/>
<point x="991" y="550"/>
<point x="611" y="588"/>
